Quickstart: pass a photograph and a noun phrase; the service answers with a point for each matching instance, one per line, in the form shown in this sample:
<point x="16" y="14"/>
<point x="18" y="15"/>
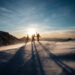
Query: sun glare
<point x="31" y="32"/>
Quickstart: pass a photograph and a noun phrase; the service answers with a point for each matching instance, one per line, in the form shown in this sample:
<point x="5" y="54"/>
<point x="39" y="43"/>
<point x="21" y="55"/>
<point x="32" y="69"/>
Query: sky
<point x="49" y="17"/>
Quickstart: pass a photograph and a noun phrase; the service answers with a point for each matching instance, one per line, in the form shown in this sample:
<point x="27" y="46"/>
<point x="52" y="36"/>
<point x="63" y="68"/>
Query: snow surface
<point x="38" y="58"/>
<point x="2" y="48"/>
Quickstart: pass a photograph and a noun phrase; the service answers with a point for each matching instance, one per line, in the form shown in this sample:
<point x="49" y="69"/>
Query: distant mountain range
<point x="7" y="39"/>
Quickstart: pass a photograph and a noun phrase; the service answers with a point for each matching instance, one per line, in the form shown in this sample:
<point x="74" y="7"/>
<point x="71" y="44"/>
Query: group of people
<point x="33" y="37"/>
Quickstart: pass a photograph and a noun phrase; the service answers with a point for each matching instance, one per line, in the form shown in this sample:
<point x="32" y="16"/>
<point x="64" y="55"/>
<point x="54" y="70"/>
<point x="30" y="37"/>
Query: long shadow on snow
<point x="42" y="72"/>
<point x="4" y="57"/>
<point x="65" y="68"/>
<point x="67" y="57"/>
<point x="13" y="65"/>
<point x="30" y="67"/>
<point x="18" y="66"/>
<point x="33" y="60"/>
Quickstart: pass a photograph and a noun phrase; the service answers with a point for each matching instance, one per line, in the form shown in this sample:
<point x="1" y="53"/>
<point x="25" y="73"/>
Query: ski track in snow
<point x="38" y="58"/>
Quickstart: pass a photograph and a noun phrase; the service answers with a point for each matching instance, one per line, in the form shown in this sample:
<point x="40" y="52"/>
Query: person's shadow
<point x="20" y="65"/>
<point x="12" y="66"/>
<point x="42" y="72"/>
<point x="66" y="70"/>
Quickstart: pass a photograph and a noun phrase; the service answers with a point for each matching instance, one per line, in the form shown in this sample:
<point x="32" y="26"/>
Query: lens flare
<point x="31" y="31"/>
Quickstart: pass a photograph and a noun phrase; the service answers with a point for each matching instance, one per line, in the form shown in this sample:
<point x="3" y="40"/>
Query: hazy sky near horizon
<point x="16" y="16"/>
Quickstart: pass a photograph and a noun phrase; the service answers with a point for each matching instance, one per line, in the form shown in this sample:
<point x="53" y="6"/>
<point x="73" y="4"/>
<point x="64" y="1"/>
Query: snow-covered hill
<point x="38" y="58"/>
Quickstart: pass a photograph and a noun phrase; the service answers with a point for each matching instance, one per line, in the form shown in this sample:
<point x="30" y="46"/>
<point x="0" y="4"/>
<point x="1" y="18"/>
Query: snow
<point x="11" y="46"/>
<point x="39" y="58"/>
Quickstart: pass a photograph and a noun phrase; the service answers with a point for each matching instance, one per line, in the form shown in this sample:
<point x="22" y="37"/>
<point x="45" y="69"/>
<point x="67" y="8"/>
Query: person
<point x="33" y="37"/>
<point x="27" y="38"/>
<point x="38" y="36"/>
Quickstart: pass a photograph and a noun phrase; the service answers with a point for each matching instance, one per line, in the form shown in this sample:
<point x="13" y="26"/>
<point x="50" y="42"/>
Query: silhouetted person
<point x="33" y="37"/>
<point x="27" y="38"/>
<point x="38" y="36"/>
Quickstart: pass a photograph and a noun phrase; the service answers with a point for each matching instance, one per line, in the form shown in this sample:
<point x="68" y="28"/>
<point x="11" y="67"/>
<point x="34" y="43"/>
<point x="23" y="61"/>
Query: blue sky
<point x="16" y="16"/>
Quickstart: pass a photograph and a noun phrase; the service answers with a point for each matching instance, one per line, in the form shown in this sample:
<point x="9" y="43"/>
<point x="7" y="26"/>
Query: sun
<point x="31" y="31"/>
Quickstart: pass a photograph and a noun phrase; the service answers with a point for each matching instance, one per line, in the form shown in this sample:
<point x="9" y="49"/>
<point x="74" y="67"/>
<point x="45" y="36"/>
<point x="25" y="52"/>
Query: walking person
<point x="33" y="37"/>
<point x="38" y="36"/>
<point x="27" y="38"/>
